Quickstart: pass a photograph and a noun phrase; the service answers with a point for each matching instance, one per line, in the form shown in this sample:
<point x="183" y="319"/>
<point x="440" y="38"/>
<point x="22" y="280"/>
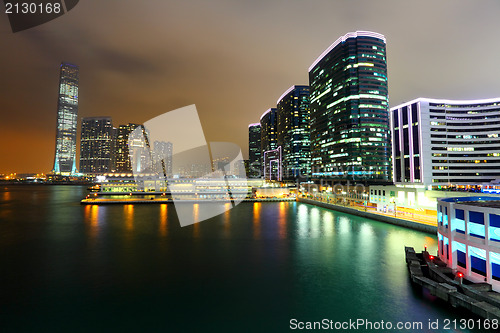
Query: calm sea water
<point x="71" y="268"/>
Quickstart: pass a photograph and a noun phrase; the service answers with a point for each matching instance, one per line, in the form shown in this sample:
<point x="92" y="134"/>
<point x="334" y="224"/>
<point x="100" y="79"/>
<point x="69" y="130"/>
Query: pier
<point x="432" y="274"/>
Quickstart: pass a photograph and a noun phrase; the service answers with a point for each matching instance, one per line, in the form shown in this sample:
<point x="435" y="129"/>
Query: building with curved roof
<point x="441" y="143"/>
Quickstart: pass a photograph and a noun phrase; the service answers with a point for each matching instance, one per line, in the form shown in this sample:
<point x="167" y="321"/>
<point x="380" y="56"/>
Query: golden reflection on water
<point x="282" y="220"/>
<point x="163" y="220"/>
<point x="196" y="225"/>
<point x="256" y="220"/>
<point x="91" y="215"/>
<point x="6" y="212"/>
<point x="227" y="222"/>
<point x="128" y="212"/>
<point x="429" y="241"/>
<point x="6" y="196"/>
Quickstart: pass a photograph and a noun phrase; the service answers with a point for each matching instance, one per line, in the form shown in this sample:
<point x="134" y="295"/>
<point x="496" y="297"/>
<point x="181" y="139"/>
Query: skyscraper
<point x="271" y="153"/>
<point x="293" y="132"/>
<point x="349" y="109"/>
<point x="67" y="113"/>
<point x="121" y="151"/>
<point x="96" y="145"/>
<point x="254" y="150"/>
<point x="269" y="133"/>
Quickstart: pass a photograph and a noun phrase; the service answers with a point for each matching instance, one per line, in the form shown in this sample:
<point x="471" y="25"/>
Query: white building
<point x="417" y="197"/>
<point x="469" y="237"/>
<point x="439" y="143"/>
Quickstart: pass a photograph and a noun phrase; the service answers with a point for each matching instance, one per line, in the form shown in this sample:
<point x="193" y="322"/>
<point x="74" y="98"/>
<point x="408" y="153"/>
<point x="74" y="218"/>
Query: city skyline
<point x="131" y="78"/>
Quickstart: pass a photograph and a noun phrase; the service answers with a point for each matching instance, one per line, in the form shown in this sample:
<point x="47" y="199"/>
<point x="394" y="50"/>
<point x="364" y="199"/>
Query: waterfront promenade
<point x="399" y="218"/>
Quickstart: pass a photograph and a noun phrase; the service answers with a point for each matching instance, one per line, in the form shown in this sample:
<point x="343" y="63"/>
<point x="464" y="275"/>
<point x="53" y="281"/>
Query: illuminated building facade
<point x="272" y="164"/>
<point x="349" y="109"/>
<point x="121" y="150"/>
<point x="293" y="132"/>
<point x="441" y="143"/>
<point x="269" y="140"/>
<point x="67" y="118"/>
<point x="269" y="131"/>
<point x="96" y="145"/>
<point x="254" y="151"/>
<point x="469" y="237"/>
<point x="139" y="151"/>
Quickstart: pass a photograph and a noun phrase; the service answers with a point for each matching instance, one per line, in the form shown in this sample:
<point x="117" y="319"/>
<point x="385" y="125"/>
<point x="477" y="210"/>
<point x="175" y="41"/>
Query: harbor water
<point x="259" y="267"/>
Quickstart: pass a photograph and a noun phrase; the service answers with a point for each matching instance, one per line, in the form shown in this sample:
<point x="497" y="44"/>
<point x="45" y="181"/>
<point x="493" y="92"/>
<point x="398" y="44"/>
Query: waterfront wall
<point x="94" y="201"/>
<point x="382" y="218"/>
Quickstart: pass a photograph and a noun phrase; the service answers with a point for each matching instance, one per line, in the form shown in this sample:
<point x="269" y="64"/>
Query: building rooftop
<point x="490" y="202"/>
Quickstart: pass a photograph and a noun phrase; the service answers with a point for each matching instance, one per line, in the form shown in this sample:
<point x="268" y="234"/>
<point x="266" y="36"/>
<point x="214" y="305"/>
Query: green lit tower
<point x="67" y="113"/>
<point x="293" y="132"/>
<point x="349" y="110"/>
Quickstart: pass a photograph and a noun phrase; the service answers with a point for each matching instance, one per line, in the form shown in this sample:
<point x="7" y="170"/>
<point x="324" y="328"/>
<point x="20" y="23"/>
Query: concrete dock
<point x="433" y="275"/>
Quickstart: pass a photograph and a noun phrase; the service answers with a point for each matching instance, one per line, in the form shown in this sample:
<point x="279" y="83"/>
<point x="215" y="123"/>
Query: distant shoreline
<point x="8" y="182"/>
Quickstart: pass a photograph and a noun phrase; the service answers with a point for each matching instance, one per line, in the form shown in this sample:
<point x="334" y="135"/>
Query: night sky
<point x="233" y="59"/>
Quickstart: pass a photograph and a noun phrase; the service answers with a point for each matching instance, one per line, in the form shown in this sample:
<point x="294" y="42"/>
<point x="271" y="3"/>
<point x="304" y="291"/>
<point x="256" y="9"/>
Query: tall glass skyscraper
<point x="254" y="150"/>
<point x="349" y="109"/>
<point x="67" y="113"/>
<point x="271" y="153"/>
<point x="269" y="131"/>
<point x="96" y="145"/>
<point x="293" y="132"/>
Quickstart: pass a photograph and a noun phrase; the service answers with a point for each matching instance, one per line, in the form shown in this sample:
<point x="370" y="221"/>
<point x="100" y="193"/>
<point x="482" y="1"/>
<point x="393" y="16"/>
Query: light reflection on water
<point x="163" y="220"/>
<point x="256" y="220"/>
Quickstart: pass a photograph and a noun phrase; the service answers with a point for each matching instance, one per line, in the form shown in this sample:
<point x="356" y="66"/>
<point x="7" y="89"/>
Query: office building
<point x="349" y="110"/>
<point x="268" y="131"/>
<point x="96" y="145"/>
<point x="294" y="132"/>
<point x="441" y="143"/>
<point x="67" y="113"/>
<point x="269" y="142"/>
<point x="121" y="150"/>
<point x="254" y="151"/>
<point x="139" y="152"/>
